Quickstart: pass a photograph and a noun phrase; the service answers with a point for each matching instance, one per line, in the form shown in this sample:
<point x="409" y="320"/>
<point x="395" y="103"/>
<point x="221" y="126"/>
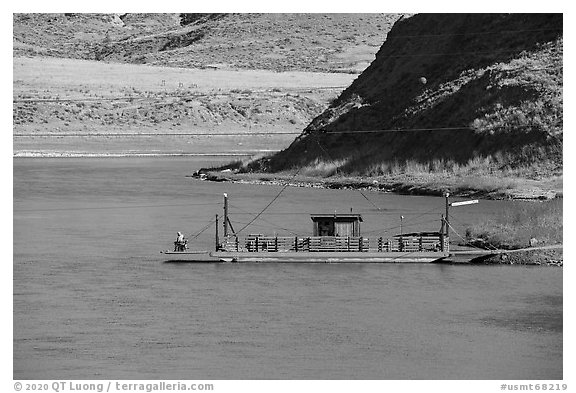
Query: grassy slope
<point x="280" y="42"/>
<point x="230" y="101"/>
<point x="161" y="100"/>
<point x="500" y="76"/>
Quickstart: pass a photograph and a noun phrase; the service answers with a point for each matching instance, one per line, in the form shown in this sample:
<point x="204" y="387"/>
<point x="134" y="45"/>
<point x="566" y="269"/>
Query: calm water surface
<point x="93" y="298"/>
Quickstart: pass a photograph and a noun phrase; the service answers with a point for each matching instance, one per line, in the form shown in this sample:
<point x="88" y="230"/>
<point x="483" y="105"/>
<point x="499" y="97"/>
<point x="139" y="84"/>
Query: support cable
<point x="262" y="219"/>
<point x="490" y="246"/>
<point x="271" y="202"/>
<point x="275" y="198"/>
<point x="469" y="243"/>
<point x="202" y="230"/>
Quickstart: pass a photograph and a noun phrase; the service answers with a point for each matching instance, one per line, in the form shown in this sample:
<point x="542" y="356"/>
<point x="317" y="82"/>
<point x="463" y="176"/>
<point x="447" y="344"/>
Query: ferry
<point x="335" y="238"/>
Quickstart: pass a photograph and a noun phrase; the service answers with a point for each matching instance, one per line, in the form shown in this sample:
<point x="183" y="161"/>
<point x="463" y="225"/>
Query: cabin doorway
<point x="325" y="228"/>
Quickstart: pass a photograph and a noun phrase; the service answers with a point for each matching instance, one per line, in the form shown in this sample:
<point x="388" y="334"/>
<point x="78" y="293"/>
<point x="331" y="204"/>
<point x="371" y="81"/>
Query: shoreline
<point x="544" y="258"/>
<point x="395" y="185"/>
<point x="41" y="154"/>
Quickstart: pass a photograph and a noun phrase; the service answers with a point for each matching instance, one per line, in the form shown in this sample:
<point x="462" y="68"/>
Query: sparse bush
<point x="320" y="168"/>
<point x="241" y="91"/>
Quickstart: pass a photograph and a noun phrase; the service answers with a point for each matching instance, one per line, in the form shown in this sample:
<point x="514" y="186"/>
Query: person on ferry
<point x="180" y="243"/>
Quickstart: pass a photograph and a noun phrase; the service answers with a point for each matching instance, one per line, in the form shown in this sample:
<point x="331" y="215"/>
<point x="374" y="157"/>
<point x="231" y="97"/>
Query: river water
<point x="93" y="297"/>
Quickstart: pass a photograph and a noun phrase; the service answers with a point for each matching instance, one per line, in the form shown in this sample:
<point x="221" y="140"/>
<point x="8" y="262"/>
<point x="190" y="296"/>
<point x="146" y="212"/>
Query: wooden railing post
<point x="217" y="237"/>
<point x="442" y="241"/>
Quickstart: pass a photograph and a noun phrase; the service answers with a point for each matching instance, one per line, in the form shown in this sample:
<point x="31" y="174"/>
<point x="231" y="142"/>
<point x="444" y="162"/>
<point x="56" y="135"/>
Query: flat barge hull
<point x="330" y="257"/>
<point x="189" y="256"/>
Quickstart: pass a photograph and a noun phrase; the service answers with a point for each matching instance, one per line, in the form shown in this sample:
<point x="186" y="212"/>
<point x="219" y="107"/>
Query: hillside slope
<point x="485" y="89"/>
<point x="165" y="74"/>
<point x="58" y="103"/>
<point x="279" y="42"/>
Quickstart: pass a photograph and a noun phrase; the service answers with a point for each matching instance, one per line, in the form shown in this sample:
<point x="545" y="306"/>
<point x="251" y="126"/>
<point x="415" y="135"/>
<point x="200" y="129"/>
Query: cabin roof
<point x="337" y="217"/>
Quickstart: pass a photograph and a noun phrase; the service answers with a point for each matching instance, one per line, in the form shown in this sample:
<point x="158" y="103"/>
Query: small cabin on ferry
<point x="343" y="225"/>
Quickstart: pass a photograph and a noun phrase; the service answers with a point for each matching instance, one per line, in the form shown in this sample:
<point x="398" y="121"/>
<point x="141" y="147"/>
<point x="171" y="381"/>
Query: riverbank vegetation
<point x="540" y="221"/>
<point x="412" y="179"/>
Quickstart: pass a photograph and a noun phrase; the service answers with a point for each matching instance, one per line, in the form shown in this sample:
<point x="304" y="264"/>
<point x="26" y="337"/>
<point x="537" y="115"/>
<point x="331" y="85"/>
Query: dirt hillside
<point x="124" y="74"/>
<point x="279" y="42"/>
<point x="66" y="106"/>
<point x="469" y="93"/>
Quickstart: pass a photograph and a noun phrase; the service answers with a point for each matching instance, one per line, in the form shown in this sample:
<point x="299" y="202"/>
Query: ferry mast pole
<point x="447" y="219"/>
<point x="225" y="215"/>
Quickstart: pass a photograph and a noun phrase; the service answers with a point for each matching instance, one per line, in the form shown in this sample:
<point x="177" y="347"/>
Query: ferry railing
<point x="261" y="243"/>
